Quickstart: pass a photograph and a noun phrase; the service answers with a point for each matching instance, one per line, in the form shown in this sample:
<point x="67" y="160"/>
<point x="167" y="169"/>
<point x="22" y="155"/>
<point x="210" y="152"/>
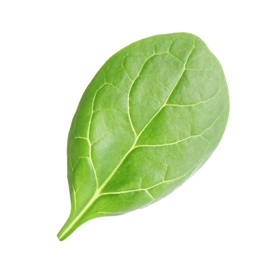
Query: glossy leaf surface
<point x="149" y="119"/>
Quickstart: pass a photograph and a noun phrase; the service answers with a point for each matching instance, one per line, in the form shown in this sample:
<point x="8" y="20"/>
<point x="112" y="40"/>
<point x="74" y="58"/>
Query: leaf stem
<point x="67" y="229"/>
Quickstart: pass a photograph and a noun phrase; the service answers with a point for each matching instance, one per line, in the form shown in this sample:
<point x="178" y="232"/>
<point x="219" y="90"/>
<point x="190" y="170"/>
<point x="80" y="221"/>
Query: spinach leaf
<point x="149" y="119"/>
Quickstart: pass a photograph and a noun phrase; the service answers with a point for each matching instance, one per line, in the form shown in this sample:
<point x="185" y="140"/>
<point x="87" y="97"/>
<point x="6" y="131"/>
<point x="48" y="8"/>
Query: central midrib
<point x="98" y="191"/>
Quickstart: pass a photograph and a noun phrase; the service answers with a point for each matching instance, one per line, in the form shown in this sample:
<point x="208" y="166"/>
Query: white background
<point x="49" y="52"/>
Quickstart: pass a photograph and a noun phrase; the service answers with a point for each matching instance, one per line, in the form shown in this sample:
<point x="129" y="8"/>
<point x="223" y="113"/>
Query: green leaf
<point x="149" y="119"/>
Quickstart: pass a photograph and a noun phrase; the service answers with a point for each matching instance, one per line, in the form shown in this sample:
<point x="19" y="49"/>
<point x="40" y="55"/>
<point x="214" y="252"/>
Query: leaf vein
<point x="194" y="104"/>
<point x="160" y="109"/>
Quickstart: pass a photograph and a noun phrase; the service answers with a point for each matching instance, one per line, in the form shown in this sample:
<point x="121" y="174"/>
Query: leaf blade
<point x="148" y="101"/>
